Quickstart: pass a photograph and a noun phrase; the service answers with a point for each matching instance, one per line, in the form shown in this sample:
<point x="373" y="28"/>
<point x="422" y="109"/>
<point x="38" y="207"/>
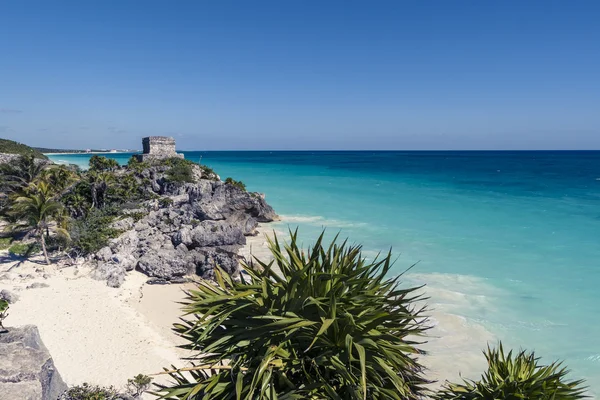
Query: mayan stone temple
<point x="157" y="148"/>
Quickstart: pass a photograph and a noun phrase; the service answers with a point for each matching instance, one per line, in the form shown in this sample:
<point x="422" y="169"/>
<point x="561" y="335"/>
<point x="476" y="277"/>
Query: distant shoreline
<point x="88" y="152"/>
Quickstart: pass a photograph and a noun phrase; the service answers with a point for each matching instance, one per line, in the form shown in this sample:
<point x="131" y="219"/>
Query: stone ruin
<point x="158" y="148"/>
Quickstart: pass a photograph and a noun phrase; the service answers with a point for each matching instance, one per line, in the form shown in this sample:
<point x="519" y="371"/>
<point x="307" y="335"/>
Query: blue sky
<point x="301" y="74"/>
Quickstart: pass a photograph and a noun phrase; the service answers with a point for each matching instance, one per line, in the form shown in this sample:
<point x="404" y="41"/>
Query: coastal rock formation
<point x="189" y="229"/>
<point x="27" y="371"/>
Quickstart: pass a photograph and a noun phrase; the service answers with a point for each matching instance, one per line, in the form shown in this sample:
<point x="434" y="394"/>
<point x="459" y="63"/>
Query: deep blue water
<point x="507" y="240"/>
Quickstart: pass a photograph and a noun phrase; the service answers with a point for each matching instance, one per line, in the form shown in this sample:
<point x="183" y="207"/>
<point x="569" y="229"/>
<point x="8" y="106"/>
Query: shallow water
<point x="507" y="242"/>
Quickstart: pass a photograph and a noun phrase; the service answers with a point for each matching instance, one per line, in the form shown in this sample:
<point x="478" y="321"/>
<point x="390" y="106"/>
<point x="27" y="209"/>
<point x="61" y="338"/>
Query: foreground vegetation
<point x="326" y="324"/>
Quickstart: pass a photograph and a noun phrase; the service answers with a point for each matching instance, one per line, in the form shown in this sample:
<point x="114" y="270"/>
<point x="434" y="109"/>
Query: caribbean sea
<point x="507" y="242"/>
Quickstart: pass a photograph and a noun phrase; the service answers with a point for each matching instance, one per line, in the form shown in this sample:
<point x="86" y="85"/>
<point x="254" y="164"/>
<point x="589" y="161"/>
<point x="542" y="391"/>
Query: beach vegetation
<point x="208" y="173"/>
<point x="93" y="231"/>
<point x="20" y="173"/>
<point x="138" y="385"/>
<point x="90" y="392"/>
<point x="136" y="165"/>
<point x="180" y="174"/>
<point x="3" y="312"/>
<point x="24" y="249"/>
<point x="238" y="184"/>
<point x="516" y="376"/>
<point x="137" y="215"/>
<point x="328" y="325"/>
<point x="34" y="209"/>
<point x="165" y="202"/>
<point x="12" y="147"/>
<point x="102" y="164"/>
<point x="5" y="242"/>
<point x="180" y="170"/>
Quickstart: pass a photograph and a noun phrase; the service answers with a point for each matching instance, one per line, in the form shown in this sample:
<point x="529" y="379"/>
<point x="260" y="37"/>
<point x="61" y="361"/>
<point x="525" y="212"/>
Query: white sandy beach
<point x="103" y="335"/>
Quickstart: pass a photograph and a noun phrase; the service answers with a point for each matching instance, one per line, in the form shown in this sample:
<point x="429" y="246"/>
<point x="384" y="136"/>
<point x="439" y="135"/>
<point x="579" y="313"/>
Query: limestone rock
<point x="27" y="371"/>
<point x="163" y="264"/>
<point x="112" y="273"/>
<point x="9" y="296"/>
<point x="217" y="233"/>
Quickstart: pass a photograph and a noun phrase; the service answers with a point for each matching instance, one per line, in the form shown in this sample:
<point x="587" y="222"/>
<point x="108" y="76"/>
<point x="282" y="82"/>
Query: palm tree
<point x="59" y="177"/>
<point x="34" y="208"/>
<point x="20" y="173"/>
<point x="99" y="183"/>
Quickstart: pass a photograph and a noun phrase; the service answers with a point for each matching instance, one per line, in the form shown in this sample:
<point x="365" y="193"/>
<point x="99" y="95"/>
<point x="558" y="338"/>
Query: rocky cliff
<point x="188" y="229"/>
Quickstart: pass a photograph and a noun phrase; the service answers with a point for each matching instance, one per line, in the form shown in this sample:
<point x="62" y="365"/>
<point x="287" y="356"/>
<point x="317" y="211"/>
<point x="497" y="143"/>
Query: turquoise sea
<point x="507" y="241"/>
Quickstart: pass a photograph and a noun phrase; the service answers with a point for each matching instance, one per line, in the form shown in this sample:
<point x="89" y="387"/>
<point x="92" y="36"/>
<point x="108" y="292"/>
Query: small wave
<point x="594" y="357"/>
<point x="319" y="221"/>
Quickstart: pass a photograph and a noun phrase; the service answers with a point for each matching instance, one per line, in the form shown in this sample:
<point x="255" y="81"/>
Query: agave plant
<point x="321" y="324"/>
<point x="516" y="377"/>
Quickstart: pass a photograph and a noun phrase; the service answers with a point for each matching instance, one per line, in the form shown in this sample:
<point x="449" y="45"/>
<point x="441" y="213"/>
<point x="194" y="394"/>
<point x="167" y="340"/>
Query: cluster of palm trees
<point x="31" y="203"/>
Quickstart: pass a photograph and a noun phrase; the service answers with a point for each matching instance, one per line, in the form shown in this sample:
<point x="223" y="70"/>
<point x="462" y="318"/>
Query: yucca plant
<point x="321" y="324"/>
<point x="514" y="378"/>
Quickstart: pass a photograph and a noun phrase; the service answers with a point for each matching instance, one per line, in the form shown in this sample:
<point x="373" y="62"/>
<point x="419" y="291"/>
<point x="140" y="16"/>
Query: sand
<point x="94" y="333"/>
<point x="104" y="335"/>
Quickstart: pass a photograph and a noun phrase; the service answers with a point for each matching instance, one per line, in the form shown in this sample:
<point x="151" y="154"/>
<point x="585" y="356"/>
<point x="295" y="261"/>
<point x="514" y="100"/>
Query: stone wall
<point x="158" y="147"/>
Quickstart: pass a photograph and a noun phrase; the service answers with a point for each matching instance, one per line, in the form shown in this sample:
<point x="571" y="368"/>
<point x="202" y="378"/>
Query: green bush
<point x="101" y="163"/>
<point x="92" y="232"/>
<point x="515" y="377"/>
<point x="137" y="215"/>
<point x="239" y="184"/>
<point x="3" y="311"/>
<point x="90" y="392"/>
<point x="135" y="165"/>
<point x="165" y="202"/>
<point x="5" y="243"/>
<point x="12" y="147"/>
<point x="180" y="173"/>
<point x="24" y="249"/>
<point x="329" y="326"/>
<point x="138" y="385"/>
<point x="208" y="173"/>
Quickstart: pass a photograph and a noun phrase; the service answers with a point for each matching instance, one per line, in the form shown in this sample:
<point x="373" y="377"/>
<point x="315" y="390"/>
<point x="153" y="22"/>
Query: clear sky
<point x="291" y="74"/>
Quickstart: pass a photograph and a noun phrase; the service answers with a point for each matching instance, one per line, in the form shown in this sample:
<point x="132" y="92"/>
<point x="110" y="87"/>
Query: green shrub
<point x="165" y="202"/>
<point x="135" y="165"/>
<point x="92" y="232"/>
<point x="208" y="173"/>
<point x="3" y="312"/>
<point x="24" y="249"/>
<point x="90" y="392"/>
<point x="239" y="184"/>
<point x="57" y="242"/>
<point x="5" y="242"/>
<point x="180" y="171"/>
<point x="12" y="147"/>
<point x="330" y="326"/>
<point x="137" y="215"/>
<point x="101" y="163"/>
<point x="515" y="377"/>
<point x="138" y="385"/>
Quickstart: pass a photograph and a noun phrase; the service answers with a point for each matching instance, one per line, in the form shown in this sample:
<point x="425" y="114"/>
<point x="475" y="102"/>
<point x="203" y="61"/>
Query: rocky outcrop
<point x="26" y="368"/>
<point x="189" y="229"/>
